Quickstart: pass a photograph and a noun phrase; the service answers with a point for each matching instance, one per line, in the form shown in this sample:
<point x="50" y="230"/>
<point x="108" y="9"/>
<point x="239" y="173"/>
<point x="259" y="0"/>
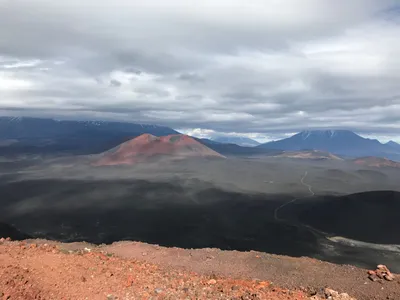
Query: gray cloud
<point x="265" y="67"/>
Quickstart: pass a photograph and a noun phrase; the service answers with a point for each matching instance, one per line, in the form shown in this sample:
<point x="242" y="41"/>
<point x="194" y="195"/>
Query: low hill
<point x="310" y="154"/>
<point x="377" y="162"/>
<point x="148" y="146"/>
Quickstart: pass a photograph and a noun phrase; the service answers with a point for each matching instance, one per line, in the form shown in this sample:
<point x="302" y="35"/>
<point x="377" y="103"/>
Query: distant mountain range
<point x="340" y="142"/>
<point x="35" y="135"/>
<point x="20" y="136"/>
<point x="238" y="140"/>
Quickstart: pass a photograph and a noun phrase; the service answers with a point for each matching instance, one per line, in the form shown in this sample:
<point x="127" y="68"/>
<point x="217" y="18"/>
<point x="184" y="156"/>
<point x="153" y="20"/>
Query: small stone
<point x="129" y="281"/>
<point x="8" y="239"/>
<point x="111" y="297"/>
<point x="2" y="240"/>
<point x="109" y="274"/>
<point x="158" y="291"/>
<point x="83" y="279"/>
<point x="389" y="277"/>
<point x="212" y="282"/>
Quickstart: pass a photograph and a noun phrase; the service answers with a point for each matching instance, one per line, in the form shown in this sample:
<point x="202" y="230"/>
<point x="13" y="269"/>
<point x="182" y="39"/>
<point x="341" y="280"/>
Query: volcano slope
<point x="148" y="147"/>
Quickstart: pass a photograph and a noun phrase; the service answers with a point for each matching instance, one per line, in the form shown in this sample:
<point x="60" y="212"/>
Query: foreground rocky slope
<point x="31" y="271"/>
<point x="38" y="269"/>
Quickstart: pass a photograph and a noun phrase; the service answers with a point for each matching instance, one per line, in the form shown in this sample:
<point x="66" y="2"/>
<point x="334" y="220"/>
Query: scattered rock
<point x="381" y="272"/>
<point x="334" y="295"/>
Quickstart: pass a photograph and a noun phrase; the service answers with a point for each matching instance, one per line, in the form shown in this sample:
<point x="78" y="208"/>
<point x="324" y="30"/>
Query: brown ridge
<point x="378" y="162"/>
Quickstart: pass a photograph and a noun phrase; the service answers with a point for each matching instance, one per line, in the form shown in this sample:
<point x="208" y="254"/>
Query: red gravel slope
<point x="148" y="146"/>
<point x="32" y="271"/>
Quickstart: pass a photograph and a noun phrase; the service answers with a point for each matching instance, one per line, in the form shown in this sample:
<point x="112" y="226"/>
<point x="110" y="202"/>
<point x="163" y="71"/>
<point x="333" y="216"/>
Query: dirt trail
<point x="309" y="187"/>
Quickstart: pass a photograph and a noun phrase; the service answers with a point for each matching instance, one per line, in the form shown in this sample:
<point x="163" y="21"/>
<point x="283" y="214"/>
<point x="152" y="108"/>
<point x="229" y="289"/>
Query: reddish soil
<point x="148" y="146"/>
<point x="37" y="269"/>
<point x="377" y="162"/>
<point x="44" y="271"/>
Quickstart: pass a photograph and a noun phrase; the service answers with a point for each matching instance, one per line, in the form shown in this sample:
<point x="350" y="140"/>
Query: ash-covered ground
<point x="330" y="210"/>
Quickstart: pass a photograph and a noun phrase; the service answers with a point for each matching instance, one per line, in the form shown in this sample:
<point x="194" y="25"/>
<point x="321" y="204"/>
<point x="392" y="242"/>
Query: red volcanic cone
<point x="148" y="146"/>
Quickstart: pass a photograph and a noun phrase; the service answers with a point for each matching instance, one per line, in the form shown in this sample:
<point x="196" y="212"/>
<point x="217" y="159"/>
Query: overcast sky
<point x="264" y="68"/>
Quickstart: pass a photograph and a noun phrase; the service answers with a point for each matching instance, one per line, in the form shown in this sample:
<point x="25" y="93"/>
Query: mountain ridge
<point x="340" y="142"/>
<point x="50" y="136"/>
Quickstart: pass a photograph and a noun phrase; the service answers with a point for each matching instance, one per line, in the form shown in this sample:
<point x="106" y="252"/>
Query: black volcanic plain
<point x="229" y="204"/>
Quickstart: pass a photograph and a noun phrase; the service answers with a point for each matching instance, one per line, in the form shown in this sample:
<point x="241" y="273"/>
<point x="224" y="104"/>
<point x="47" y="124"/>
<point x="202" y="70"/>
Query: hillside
<point x="147" y="147"/>
<point x="355" y="216"/>
<point x="128" y="270"/>
<point x="377" y="162"/>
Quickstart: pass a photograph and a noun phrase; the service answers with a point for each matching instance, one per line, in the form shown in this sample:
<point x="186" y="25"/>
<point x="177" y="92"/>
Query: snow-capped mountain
<point x="342" y="142"/>
<point x="238" y="140"/>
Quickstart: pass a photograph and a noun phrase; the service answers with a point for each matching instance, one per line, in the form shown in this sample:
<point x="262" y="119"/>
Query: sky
<point x="257" y="68"/>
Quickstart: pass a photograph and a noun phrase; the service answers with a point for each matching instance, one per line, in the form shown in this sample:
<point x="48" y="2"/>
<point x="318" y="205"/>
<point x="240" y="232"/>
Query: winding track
<point x="309" y="187"/>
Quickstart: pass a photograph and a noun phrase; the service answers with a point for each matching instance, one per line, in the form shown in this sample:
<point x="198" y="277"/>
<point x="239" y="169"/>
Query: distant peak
<point x="329" y="133"/>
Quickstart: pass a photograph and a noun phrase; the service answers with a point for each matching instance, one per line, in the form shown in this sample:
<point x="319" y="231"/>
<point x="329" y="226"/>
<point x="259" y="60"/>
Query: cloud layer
<point x="257" y="67"/>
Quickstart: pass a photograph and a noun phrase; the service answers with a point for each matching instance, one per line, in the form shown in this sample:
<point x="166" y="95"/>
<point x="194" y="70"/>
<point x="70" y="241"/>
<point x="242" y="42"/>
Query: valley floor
<point x="40" y="269"/>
